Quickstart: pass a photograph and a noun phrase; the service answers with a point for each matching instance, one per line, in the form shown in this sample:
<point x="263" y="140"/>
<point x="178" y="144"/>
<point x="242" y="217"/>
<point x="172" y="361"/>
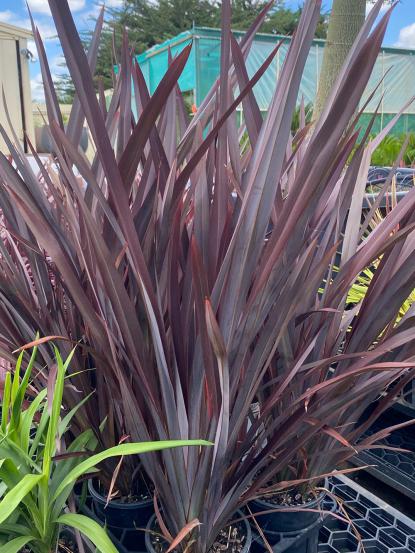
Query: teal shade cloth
<point x="154" y="62"/>
<point x="394" y="69"/>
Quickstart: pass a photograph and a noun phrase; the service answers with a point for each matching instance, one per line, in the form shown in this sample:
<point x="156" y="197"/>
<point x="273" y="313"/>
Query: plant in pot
<point x="190" y="271"/>
<point x="120" y="511"/>
<point x="316" y="367"/>
<point x="78" y="286"/>
<point x="38" y="472"/>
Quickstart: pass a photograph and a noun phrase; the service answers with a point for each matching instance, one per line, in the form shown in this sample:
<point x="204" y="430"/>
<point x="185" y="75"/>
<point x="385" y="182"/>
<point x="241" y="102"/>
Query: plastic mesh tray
<point x="382" y="528"/>
<point x="395" y="468"/>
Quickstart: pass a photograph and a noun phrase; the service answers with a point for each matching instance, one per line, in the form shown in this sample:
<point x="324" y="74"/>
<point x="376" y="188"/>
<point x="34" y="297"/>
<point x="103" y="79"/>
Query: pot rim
<point x="116" y="503"/>
<point x="244" y="520"/>
<point x="316" y="501"/>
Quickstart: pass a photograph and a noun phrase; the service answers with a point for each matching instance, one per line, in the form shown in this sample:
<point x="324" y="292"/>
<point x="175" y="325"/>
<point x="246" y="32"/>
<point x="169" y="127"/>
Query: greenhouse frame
<point x="394" y="73"/>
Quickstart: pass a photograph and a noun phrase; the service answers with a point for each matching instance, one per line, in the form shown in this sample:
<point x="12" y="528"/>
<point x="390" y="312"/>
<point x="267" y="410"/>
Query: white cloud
<point x="6" y="16"/>
<point x="406" y="37"/>
<point x="31" y="45"/>
<point x="57" y="64"/>
<point x="42" y="6"/>
<point x="113" y="3"/>
<point x="369" y="6"/>
<point x="36" y="84"/>
<point x="12" y="18"/>
<point x="46" y="28"/>
<point x="95" y="9"/>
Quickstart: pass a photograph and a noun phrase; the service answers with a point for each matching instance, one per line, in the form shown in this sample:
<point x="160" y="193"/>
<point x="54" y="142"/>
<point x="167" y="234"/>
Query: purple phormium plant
<point x="199" y="275"/>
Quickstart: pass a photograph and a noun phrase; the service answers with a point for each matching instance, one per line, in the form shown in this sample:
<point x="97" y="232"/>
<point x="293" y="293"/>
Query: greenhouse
<point x="394" y="72"/>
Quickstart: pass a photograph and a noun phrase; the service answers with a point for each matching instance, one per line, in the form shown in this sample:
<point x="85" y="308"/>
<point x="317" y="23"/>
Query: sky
<point x="401" y="31"/>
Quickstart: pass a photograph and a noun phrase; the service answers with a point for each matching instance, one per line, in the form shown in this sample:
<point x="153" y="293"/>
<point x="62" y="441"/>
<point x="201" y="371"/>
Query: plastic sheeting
<point x="154" y="62"/>
<point x="395" y="66"/>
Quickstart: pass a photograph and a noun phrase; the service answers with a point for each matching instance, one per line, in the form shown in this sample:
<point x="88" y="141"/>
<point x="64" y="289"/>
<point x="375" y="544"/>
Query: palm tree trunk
<point x="346" y="20"/>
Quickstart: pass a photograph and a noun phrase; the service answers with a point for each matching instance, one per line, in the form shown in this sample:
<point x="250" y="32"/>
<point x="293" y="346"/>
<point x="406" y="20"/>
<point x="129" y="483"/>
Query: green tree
<point x="148" y="23"/>
<point x="65" y="89"/>
<point x="283" y="21"/>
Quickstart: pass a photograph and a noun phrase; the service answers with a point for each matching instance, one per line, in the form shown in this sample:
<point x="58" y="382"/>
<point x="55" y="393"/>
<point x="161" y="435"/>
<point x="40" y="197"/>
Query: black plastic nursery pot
<point x="296" y="531"/>
<point x="246" y="547"/>
<point x="121" y="515"/>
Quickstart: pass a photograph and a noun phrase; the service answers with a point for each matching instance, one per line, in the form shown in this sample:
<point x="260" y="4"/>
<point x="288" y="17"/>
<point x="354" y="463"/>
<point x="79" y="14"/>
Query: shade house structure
<point x="394" y="70"/>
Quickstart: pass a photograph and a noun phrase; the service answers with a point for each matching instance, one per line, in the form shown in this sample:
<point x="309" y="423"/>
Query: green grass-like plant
<point x="388" y="150"/>
<point x="38" y="473"/>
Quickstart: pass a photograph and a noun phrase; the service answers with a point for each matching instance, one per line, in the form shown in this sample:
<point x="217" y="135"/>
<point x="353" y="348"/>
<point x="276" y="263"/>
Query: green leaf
<point x="86" y="440"/>
<point x="91" y="529"/>
<point x="10" y="450"/>
<point x="54" y="407"/>
<point x="27" y="421"/>
<point x="16" y="377"/>
<point x="123" y="449"/>
<point x="19" y="396"/>
<point x="40" y="430"/>
<point x="68" y="359"/>
<point x="10" y="474"/>
<point x="6" y="402"/>
<point x="67" y="419"/>
<point x="16" y="494"/>
<point x="15" y="545"/>
<point x="14" y="528"/>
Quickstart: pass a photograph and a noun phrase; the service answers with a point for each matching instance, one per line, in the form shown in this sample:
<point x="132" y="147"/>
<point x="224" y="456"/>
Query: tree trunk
<point x="346" y="20"/>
